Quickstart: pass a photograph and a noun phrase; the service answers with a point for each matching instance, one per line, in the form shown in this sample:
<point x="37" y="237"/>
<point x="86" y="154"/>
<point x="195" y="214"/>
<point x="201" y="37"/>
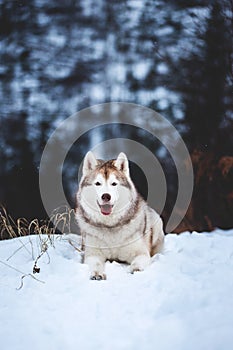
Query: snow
<point x="162" y="68"/>
<point x="55" y="38"/>
<point x="97" y="91"/>
<point x="182" y="301"/>
<point x="141" y="69"/>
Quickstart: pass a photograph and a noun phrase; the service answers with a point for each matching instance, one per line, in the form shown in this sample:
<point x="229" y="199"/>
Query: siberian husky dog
<point x="114" y="220"/>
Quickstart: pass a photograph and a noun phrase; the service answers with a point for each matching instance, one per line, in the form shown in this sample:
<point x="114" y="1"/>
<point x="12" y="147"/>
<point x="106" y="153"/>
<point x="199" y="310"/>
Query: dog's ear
<point x="89" y="163"/>
<point x="122" y="163"/>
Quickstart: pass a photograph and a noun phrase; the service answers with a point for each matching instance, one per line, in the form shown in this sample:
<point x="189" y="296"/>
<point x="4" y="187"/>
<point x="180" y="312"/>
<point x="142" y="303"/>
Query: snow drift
<point x="183" y="301"/>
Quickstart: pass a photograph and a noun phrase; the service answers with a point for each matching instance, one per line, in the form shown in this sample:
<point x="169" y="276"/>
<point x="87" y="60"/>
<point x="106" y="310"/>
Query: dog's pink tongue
<point x="106" y="209"/>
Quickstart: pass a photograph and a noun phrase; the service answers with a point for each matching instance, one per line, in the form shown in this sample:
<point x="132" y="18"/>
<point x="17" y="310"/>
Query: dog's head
<point x="106" y="186"/>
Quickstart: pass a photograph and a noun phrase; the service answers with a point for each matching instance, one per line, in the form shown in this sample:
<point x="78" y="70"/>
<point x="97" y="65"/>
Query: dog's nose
<point x="106" y="197"/>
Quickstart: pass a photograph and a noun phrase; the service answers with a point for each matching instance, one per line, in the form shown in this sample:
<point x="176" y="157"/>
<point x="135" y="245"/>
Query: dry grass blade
<point x="17" y="250"/>
<point x="28" y="275"/>
<point x="74" y="246"/>
<point x="7" y="224"/>
<point x="60" y="221"/>
<point x="23" y="274"/>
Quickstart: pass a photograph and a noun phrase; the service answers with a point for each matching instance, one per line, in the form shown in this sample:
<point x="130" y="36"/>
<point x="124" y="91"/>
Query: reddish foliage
<point x="212" y="201"/>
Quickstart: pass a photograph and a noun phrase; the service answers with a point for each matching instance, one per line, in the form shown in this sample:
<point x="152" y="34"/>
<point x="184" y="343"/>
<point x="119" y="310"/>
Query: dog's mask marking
<point x="107" y="192"/>
<point x="104" y="178"/>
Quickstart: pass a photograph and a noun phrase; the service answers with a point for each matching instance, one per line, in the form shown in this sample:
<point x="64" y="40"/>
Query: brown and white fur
<point x="114" y="220"/>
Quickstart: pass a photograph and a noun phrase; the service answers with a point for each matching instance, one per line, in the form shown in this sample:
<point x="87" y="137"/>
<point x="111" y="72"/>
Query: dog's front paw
<point x="139" y="263"/>
<point x="98" y="276"/>
<point x="135" y="268"/>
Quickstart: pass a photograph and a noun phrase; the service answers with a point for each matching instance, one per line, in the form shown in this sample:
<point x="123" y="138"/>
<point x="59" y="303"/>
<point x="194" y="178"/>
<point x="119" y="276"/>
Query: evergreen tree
<point x="205" y="87"/>
<point x="204" y="82"/>
<point x="21" y="180"/>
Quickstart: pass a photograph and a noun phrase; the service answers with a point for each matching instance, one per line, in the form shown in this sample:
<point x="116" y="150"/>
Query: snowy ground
<point x="184" y="300"/>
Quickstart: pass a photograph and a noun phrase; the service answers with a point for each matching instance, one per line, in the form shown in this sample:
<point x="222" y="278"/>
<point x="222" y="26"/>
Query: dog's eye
<point x="114" y="184"/>
<point x="97" y="183"/>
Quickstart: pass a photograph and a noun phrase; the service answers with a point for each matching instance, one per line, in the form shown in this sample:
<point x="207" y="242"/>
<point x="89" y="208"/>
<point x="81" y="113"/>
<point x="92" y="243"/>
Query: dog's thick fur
<point x="114" y="220"/>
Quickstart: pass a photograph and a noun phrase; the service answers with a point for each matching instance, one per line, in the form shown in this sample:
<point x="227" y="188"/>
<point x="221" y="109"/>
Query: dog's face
<point x="107" y="191"/>
<point x="106" y="187"/>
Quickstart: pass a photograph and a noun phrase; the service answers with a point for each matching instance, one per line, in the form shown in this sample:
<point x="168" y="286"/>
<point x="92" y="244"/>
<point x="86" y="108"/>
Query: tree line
<point x="172" y="56"/>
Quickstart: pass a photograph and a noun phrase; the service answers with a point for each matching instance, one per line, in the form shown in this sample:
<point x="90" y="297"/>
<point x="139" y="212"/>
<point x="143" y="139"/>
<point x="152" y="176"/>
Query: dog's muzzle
<point x="105" y="208"/>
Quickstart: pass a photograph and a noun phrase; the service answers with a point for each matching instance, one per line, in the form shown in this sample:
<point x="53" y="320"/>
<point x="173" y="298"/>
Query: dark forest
<point x="175" y="57"/>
